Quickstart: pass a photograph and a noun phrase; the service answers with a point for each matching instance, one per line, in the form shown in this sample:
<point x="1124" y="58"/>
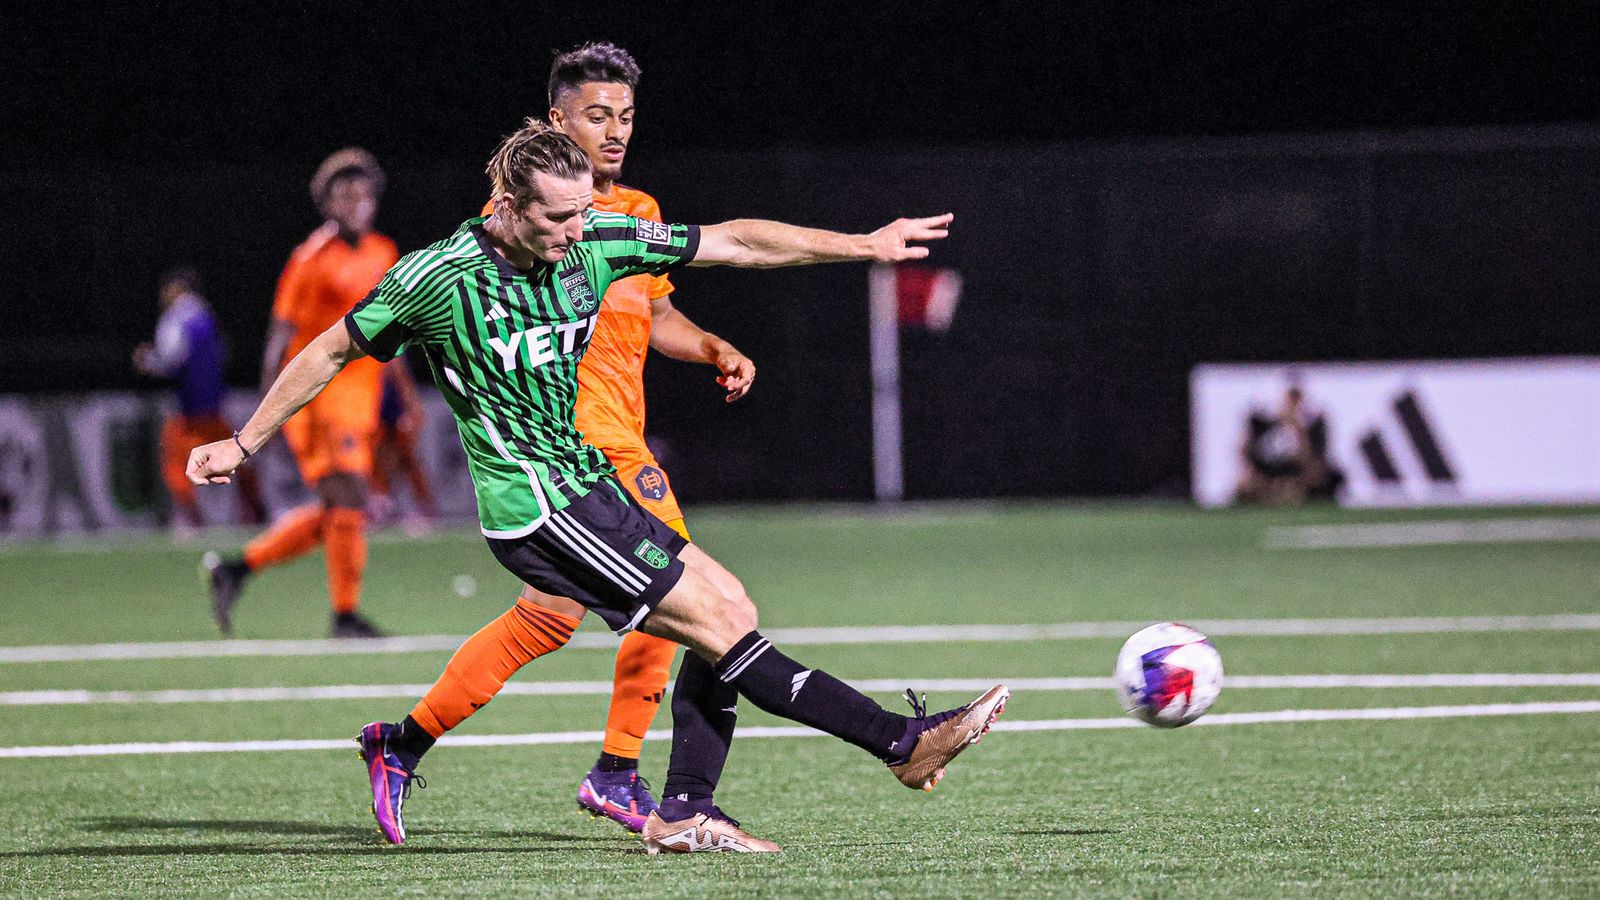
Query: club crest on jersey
<point x="653" y="556"/>
<point x="579" y="292"/>
<point x="653" y="232"/>
<point x="651" y="483"/>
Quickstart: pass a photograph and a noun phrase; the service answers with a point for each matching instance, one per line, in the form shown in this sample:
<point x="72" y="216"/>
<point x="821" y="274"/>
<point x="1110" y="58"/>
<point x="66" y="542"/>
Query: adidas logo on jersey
<point x="496" y="314"/>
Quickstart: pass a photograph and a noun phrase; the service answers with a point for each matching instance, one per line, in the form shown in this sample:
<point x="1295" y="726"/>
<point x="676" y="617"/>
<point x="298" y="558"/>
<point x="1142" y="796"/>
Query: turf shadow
<point x="250" y="850"/>
<point x="129" y="824"/>
<point x="134" y="824"/>
<point x="1064" y="832"/>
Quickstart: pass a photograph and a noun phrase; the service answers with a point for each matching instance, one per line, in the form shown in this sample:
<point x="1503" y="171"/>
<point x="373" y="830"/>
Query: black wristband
<point x="240" y="444"/>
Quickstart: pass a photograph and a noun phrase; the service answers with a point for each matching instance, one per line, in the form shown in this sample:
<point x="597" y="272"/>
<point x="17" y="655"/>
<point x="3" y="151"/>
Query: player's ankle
<point x="409" y="742"/>
<point x="678" y="807"/>
<point x="610" y="762"/>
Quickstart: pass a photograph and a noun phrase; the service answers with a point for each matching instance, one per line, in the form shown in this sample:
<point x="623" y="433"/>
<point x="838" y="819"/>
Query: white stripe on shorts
<point x="583" y="531"/>
<point x="627" y="579"/>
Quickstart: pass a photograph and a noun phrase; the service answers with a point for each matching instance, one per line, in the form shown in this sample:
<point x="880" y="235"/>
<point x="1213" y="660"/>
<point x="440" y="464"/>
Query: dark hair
<point x="351" y="162"/>
<point x="534" y="148"/>
<point x="603" y="61"/>
<point x="184" y="275"/>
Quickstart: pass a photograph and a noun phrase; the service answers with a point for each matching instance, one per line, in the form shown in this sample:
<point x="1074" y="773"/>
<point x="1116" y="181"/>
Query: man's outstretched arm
<point x="757" y="243"/>
<point x="302" y="379"/>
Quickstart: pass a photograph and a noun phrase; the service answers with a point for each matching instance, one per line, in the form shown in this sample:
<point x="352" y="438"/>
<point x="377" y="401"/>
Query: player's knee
<point x="740" y="613"/>
<point x="343" y="491"/>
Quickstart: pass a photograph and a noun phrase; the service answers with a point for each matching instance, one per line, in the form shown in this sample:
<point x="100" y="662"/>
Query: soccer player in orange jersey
<point x="332" y="437"/>
<point x="591" y="101"/>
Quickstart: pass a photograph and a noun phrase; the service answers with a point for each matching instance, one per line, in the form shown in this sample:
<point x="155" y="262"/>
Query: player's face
<point x="353" y="203"/>
<point x="549" y="226"/>
<point x="599" y="116"/>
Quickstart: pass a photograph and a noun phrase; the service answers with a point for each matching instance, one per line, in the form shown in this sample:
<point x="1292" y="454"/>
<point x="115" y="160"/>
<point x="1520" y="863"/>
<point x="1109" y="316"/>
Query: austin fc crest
<point x="579" y="292"/>
<point x="653" y="556"/>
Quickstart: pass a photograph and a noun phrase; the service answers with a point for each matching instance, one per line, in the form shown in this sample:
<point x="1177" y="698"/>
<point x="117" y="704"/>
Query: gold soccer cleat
<point x="701" y="833"/>
<point x="946" y="735"/>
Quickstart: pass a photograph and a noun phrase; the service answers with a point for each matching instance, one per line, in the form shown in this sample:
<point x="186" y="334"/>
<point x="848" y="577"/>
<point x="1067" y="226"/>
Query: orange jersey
<point x="324" y="278"/>
<point x="610" y="407"/>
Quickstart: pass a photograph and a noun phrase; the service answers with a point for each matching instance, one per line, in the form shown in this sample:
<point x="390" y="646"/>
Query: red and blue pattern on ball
<point x="1163" y="682"/>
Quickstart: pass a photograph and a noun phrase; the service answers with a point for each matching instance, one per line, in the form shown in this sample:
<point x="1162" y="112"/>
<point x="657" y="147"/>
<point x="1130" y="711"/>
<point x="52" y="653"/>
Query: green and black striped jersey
<point x="505" y="344"/>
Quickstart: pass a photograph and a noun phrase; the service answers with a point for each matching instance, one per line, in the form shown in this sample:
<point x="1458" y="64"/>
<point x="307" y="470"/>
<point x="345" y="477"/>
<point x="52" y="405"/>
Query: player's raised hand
<point x="738" y="373"/>
<point x="212" y="463"/>
<point x="893" y="242"/>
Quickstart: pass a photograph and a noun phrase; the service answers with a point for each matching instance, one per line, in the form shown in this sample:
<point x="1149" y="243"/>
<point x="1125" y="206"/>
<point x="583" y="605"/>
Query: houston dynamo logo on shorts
<point x="653" y="556"/>
<point x="651" y="483"/>
<point x="579" y="292"/>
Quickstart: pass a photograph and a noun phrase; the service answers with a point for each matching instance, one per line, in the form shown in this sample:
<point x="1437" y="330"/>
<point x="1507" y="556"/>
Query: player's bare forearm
<point x="758" y="243"/>
<point x="673" y="335"/>
<point x="302" y="379"/>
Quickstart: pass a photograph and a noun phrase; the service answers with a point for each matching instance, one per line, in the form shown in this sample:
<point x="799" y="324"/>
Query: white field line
<point x="787" y="731"/>
<point x="850" y="634"/>
<point x="603" y="688"/>
<point x="1433" y="533"/>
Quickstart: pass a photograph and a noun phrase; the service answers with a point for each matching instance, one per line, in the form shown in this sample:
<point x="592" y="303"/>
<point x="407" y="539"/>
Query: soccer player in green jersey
<point x="503" y="310"/>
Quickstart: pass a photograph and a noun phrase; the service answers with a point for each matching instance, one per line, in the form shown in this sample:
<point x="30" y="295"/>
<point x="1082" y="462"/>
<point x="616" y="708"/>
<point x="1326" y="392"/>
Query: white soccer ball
<point x="1168" y="675"/>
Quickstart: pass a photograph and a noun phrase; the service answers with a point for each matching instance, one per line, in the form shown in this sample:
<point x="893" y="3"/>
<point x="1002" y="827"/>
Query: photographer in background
<point x="1285" y="455"/>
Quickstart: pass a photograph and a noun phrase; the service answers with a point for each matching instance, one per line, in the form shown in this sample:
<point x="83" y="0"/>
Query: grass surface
<point x="1480" y="806"/>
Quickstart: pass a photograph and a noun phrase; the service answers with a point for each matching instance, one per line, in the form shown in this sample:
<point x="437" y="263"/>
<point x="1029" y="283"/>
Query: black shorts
<point x="605" y="551"/>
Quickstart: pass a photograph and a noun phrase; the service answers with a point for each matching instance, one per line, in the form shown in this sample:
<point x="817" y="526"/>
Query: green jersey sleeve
<point x="382" y="323"/>
<point x="633" y="246"/>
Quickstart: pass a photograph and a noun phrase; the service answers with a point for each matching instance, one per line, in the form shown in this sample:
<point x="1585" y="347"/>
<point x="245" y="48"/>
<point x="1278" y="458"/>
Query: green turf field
<point x="1501" y="805"/>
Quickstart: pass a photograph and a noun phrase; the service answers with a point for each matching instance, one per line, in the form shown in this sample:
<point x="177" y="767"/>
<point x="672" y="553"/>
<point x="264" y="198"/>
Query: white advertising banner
<point x="1513" y="431"/>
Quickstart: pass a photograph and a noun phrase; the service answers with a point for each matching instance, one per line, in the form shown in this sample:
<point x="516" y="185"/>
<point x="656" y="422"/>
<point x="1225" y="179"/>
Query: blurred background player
<point x="400" y="420"/>
<point x="189" y="349"/>
<point x="332" y="436"/>
<point x="591" y="101"/>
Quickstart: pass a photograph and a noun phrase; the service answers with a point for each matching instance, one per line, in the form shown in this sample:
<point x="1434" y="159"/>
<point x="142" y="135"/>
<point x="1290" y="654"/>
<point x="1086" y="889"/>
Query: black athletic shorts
<point x="605" y="551"/>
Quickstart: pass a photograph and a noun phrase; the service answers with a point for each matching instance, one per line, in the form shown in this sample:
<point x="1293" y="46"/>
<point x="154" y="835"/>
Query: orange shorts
<point x="641" y="475"/>
<point x="334" y="434"/>
<point x="179" y="435"/>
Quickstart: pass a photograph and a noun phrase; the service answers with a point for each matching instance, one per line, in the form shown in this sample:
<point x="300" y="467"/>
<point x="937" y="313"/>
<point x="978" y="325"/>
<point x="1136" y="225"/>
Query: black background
<point x="1422" y="183"/>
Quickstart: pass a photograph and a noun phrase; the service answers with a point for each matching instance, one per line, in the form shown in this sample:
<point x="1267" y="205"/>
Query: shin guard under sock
<point x="812" y="697"/>
<point x="703" y="716"/>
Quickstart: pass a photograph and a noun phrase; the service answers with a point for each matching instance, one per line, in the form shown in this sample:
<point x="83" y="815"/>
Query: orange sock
<point x="345" y="536"/>
<point x="479" y="669"/>
<point x="644" y="663"/>
<point x="297" y="533"/>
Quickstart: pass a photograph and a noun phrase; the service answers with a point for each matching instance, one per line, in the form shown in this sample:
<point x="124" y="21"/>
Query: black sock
<point x="610" y="762"/>
<point x="702" y="730"/>
<point x="410" y="742"/>
<point x="812" y="697"/>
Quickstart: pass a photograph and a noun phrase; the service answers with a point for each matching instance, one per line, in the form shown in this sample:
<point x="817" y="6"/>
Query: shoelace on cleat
<point x="919" y="708"/>
<point x="717" y="813"/>
<point x="405" y="786"/>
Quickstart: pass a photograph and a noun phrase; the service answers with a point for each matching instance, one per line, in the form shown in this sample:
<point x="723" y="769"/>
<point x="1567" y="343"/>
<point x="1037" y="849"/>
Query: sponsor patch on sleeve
<point x="654" y="232"/>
